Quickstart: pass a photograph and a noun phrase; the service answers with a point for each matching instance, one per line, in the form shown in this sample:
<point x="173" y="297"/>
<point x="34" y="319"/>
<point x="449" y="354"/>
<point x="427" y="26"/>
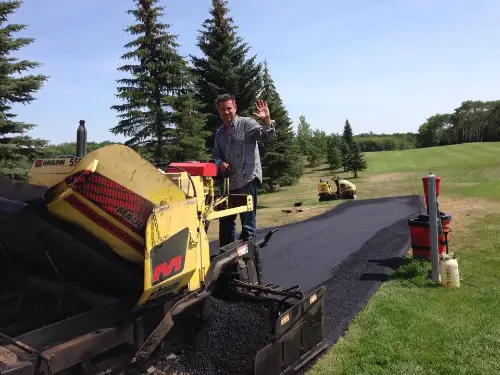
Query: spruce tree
<point x="356" y="161"/>
<point x="304" y="136"/>
<point x="160" y="114"/>
<point x="334" y="156"/>
<point x="344" y="154"/>
<point x="224" y="67"/>
<point x="281" y="158"/>
<point x="345" y="145"/>
<point x="16" y="148"/>
<point x="347" y="134"/>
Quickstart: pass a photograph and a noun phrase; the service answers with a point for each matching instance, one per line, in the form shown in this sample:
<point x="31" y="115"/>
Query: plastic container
<point x="448" y="271"/>
<point x="420" y="233"/>
<point x="426" y="188"/>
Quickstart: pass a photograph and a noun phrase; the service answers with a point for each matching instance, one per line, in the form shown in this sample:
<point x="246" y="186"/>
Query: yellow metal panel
<point x="49" y="172"/>
<point x="119" y="165"/>
<point x="62" y="209"/>
<point x="171" y="219"/>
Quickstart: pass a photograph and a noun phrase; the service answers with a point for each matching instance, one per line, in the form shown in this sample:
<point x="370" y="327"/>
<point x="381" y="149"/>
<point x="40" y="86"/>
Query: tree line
<point x="472" y="121"/>
<point x="339" y="150"/>
<point x="166" y="106"/>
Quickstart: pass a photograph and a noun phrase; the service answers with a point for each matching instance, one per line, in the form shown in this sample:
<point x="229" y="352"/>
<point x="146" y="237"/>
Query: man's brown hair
<point x="225" y="98"/>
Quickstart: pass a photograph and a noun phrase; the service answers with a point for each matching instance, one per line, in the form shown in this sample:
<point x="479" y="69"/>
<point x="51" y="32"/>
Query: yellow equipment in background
<point x="340" y="189"/>
<point x="153" y="225"/>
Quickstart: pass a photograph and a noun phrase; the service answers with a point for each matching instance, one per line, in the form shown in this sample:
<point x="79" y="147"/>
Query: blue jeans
<point x="227" y="224"/>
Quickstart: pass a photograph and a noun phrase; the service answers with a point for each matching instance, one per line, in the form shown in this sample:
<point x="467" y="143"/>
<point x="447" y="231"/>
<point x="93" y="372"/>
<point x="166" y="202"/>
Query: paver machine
<point x="114" y="253"/>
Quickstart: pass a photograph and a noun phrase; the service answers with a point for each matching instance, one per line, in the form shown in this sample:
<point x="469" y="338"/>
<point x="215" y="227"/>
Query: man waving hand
<point x="236" y="153"/>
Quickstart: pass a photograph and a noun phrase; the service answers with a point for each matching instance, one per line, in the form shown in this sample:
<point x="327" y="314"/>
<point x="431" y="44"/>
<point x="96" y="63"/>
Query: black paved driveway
<point x="350" y="249"/>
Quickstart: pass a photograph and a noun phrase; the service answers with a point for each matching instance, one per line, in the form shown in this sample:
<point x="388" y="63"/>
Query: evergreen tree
<point x="320" y="139"/>
<point x="345" y="145"/>
<point x="356" y="160"/>
<point x="281" y="159"/>
<point x="315" y="156"/>
<point x="160" y="114"/>
<point x="17" y="149"/>
<point x="334" y="156"/>
<point x="347" y="134"/>
<point x="224" y="67"/>
<point x="304" y="136"/>
<point x="344" y="154"/>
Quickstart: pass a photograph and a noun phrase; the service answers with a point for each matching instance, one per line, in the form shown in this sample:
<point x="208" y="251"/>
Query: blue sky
<point x="386" y="65"/>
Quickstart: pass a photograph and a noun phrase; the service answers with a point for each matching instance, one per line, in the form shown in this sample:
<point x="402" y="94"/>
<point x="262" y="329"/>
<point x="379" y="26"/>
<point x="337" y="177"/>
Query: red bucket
<point x="420" y="233"/>
<point x="426" y="188"/>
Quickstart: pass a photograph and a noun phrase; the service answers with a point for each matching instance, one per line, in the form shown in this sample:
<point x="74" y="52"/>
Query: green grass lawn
<point x="411" y="326"/>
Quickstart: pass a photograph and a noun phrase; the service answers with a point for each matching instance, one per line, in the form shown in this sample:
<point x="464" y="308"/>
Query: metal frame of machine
<point x="90" y="338"/>
<point x="298" y="333"/>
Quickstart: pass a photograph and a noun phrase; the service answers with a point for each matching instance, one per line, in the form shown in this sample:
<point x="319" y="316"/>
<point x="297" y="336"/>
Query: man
<point x="337" y="182"/>
<point x="236" y="154"/>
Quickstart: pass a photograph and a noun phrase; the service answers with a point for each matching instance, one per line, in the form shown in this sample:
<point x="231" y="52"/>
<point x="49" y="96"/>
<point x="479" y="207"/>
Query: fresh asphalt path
<point x="350" y="249"/>
<point x="307" y="252"/>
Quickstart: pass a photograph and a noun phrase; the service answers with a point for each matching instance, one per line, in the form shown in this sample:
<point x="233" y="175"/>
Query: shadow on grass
<point x="407" y="269"/>
<point x="391" y="263"/>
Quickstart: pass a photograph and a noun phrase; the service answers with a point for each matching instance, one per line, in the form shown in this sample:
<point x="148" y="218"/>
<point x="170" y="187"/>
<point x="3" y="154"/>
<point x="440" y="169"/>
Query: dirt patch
<point x="383" y="177"/>
<point x="465" y="211"/>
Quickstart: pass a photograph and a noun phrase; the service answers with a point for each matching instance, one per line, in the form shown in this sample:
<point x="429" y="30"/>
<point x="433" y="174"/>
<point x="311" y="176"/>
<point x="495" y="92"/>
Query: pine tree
<point x="16" y="148"/>
<point x="344" y="154"/>
<point x="281" y="159"/>
<point x="333" y="155"/>
<point x="356" y="160"/>
<point x="345" y="144"/>
<point x="224" y="67"/>
<point x="347" y="134"/>
<point x="304" y="136"/>
<point x="160" y="114"/>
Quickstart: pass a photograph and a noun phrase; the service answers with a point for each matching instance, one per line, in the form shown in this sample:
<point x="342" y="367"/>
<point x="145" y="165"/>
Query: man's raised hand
<point x="262" y="111"/>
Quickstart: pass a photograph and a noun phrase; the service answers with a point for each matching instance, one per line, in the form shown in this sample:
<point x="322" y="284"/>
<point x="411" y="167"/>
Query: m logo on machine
<point x="168" y="257"/>
<point x="165" y="269"/>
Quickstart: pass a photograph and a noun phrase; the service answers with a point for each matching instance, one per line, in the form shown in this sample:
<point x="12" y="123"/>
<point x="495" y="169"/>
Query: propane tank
<point x="448" y="271"/>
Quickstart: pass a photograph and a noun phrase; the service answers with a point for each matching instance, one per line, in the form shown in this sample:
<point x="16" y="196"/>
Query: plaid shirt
<point x="240" y="149"/>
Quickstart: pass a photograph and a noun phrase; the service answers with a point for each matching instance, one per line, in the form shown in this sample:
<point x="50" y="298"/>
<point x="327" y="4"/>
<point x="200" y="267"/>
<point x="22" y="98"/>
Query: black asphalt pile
<point x="232" y="335"/>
